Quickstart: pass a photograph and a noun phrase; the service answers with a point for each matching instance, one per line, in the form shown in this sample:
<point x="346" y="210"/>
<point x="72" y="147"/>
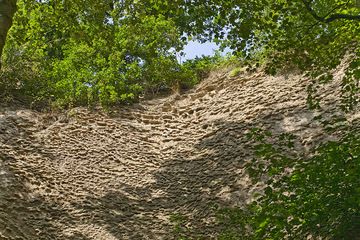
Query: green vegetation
<point x="179" y="229"/>
<point x="318" y="198"/>
<point x="76" y="53"/>
<point x="68" y="53"/>
<point x="84" y="54"/>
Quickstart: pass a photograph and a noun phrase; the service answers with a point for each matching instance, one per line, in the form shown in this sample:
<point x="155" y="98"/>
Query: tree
<point x="313" y="36"/>
<point x="96" y="51"/>
<point x="7" y="11"/>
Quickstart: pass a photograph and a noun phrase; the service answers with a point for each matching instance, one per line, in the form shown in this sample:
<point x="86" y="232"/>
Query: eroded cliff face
<point x="87" y="175"/>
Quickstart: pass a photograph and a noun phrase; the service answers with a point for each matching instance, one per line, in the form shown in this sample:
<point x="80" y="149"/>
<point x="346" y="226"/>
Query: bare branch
<point x="334" y="17"/>
<point x="330" y="17"/>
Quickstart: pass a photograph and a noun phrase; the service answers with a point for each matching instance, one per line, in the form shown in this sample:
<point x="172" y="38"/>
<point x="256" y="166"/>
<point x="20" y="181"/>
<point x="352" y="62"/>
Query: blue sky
<point x="194" y="49"/>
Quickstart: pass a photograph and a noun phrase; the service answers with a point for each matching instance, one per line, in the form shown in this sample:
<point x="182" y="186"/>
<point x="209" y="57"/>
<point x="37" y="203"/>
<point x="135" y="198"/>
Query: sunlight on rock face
<point x="87" y="175"/>
<point x="297" y="122"/>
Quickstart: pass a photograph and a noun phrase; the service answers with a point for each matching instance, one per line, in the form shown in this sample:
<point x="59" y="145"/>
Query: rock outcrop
<point x="90" y="175"/>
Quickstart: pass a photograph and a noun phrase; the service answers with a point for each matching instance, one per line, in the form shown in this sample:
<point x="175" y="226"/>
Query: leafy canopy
<point x="89" y="52"/>
<point x="111" y="51"/>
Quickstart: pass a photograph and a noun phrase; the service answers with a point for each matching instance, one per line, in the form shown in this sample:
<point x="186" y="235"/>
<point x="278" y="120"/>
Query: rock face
<point x="88" y="175"/>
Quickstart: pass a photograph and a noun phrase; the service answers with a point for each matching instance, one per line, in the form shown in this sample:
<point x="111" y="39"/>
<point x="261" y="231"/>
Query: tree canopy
<point x="111" y="51"/>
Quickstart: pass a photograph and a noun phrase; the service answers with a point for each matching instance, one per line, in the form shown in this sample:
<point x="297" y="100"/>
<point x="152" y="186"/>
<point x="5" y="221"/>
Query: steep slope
<point x="88" y="175"/>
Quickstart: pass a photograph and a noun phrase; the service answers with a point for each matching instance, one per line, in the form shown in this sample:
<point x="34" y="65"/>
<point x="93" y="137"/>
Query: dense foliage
<point x="112" y="51"/>
<point x="310" y="35"/>
<point x="320" y="195"/>
<point x="86" y="53"/>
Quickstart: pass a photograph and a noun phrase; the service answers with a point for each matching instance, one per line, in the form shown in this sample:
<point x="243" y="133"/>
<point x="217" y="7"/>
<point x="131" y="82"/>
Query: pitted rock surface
<point x="90" y="175"/>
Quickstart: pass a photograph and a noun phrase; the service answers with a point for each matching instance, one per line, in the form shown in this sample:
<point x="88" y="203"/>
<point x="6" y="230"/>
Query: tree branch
<point x="334" y="17"/>
<point x="7" y="11"/>
<point x="329" y="18"/>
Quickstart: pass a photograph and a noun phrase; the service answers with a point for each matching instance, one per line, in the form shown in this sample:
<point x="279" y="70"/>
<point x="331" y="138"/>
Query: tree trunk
<point x="7" y="11"/>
